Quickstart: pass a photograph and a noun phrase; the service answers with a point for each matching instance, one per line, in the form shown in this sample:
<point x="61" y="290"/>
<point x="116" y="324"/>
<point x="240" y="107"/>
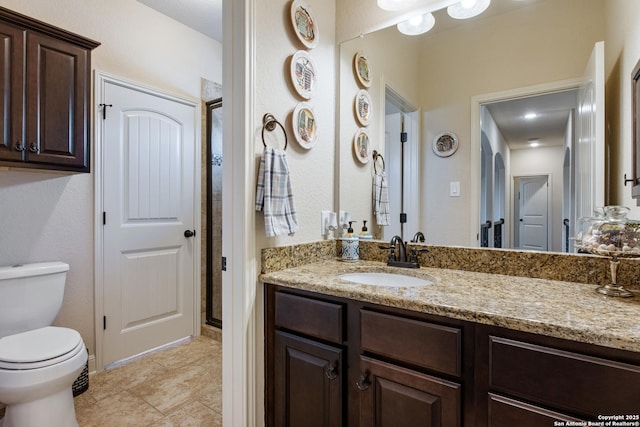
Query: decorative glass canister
<point x="612" y="235"/>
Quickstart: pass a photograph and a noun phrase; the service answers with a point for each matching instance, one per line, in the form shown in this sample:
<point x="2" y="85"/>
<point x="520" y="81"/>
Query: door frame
<point x="516" y="208"/>
<point x="101" y="78"/>
<point x="476" y="106"/>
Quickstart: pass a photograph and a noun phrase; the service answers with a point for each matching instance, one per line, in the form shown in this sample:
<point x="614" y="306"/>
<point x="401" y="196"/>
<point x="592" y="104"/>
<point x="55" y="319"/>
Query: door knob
<point x="189" y="233"/>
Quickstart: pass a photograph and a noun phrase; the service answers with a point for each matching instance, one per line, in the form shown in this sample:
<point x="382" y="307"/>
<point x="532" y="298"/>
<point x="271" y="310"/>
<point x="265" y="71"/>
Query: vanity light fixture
<point x="417" y="25"/>
<point x="394" y="5"/>
<point x="466" y="9"/>
<point x="530" y="116"/>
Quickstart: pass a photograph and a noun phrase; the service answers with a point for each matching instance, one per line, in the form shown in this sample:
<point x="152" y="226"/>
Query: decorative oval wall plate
<point x="445" y="144"/>
<point x="362" y="70"/>
<point x="303" y="74"/>
<point x="362" y="106"/>
<point x="362" y="146"/>
<point x="304" y="24"/>
<point x="304" y="125"/>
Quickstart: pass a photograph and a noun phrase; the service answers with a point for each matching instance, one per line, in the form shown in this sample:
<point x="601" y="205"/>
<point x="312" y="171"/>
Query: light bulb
<point x="468" y="4"/>
<point x="466" y="9"/>
<point x="416" y="20"/>
<point x="417" y="25"/>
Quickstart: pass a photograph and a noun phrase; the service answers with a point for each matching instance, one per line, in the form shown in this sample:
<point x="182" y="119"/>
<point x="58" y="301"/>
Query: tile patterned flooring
<point x="178" y="386"/>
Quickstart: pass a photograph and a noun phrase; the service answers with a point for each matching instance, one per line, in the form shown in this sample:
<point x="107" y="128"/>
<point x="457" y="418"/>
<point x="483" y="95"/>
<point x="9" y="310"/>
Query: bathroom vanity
<point x="471" y="349"/>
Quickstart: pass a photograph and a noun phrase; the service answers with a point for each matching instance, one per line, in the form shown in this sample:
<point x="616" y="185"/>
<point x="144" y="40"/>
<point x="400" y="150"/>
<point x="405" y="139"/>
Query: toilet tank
<point x="30" y="295"/>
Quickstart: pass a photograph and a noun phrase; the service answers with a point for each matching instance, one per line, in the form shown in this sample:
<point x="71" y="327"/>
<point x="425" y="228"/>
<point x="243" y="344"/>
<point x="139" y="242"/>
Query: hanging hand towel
<point x="381" y="199"/>
<point x="273" y="194"/>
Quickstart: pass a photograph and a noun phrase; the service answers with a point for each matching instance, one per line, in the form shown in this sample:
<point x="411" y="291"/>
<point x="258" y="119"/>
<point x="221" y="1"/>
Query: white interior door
<point x="149" y="160"/>
<point x="590" y="148"/>
<point x="534" y="213"/>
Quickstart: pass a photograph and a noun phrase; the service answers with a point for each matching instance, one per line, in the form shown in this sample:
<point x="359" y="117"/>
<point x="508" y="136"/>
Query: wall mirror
<point x="474" y="78"/>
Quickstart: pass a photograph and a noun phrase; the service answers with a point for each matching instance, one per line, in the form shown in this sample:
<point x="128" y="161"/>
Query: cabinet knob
<point x="33" y="147"/>
<point x="331" y="371"/>
<point x="363" y="382"/>
<point x="19" y="146"/>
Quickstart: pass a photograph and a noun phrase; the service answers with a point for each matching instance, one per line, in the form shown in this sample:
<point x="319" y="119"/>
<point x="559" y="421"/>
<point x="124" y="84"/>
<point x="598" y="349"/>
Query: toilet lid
<point x="38" y="348"/>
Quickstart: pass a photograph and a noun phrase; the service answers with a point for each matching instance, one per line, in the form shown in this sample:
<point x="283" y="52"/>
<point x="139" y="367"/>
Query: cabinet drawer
<point x="309" y="316"/>
<point x="504" y="412"/>
<point x="569" y="381"/>
<point x="417" y="342"/>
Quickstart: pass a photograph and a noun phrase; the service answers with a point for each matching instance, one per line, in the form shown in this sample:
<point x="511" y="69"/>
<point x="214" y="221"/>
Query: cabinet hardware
<point x="19" y="146"/>
<point x="363" y="382"/>
<point x="331" y="371"/>
<point x="33" y="148"/>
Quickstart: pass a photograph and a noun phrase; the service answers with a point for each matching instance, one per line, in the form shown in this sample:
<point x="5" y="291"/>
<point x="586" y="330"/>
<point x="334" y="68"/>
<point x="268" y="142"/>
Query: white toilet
<point x="38" y="362"/>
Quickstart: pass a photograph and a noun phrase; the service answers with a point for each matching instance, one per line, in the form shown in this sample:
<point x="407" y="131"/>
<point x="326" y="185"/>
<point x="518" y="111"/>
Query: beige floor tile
<point x="173" y="388"/>
<point x="123" y="410"/>
<point x="193" y="414"/>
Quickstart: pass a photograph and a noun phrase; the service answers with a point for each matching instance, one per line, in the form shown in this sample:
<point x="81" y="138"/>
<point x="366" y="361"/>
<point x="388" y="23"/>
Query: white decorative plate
<point x="304" y="125"/>
<point x="362" y="69"/>
<point x="445" y="144"/>
<point x="303" y="74"/>
<point x="362" y="105"/>
<point x="362" y="145"/>
<point x="304" y="24"/>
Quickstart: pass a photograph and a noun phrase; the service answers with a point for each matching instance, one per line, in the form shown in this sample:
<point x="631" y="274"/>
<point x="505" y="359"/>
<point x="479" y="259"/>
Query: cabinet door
<point x="308" y="383"/>
<point x="57" y="103"/>
<point x="11" y="80"/>
<point x="392" y="396"/>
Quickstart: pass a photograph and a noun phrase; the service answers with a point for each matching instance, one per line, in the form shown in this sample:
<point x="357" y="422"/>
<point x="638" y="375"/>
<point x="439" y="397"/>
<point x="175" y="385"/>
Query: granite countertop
<point x="568" y="310"/>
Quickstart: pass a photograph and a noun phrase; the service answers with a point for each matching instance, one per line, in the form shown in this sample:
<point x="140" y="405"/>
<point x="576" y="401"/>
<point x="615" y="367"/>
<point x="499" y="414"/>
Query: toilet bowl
<point x="37" y="370"/>
<point x="38" y="362"/>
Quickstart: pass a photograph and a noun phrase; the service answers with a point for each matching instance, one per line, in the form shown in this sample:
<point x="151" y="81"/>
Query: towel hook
<point x="269" y="123"/>
<point x="377" y="156"/>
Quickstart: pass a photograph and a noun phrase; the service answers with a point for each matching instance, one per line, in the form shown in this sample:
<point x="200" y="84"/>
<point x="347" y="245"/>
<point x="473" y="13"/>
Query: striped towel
<point x="381" y="199"/>
<point x="273" y="194"/>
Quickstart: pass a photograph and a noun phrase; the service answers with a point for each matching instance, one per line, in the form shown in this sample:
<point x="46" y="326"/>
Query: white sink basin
<point x="385" y="279"/>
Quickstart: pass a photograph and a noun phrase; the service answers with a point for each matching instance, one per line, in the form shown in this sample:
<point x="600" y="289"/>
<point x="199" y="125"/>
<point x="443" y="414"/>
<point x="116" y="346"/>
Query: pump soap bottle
<point x="364" y="234"/>
<point x="350" y="247"/>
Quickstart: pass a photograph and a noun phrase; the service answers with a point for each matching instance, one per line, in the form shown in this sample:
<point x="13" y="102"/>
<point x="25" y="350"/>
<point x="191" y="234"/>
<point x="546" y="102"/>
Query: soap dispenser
<point x="350" y="247"/>
<point x="364" y="234"/>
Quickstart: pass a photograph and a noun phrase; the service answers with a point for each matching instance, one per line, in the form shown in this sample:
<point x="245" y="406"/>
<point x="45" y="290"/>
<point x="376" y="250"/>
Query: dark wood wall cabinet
<point x="337" y="362"/>
<point x="46" y="81"/>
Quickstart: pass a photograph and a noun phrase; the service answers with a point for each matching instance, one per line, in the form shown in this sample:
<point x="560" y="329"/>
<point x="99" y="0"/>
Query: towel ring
<point x="377" y="156"/>
<point x="269" y="123"/>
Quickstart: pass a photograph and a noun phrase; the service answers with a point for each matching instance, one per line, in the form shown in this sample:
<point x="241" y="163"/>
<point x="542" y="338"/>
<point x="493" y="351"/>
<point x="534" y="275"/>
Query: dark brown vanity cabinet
<point x="45" y="78"/>
<point x="535" y="380"/>
<point x="337" y="362"/>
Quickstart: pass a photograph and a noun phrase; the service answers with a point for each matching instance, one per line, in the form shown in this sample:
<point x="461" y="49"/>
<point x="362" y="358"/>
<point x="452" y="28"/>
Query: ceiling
<point x="204" y="16"/>
<point x="549" y="126"/>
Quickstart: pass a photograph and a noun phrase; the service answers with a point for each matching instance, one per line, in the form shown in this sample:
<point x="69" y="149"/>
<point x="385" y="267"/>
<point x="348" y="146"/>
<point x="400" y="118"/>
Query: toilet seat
<point x="39" y="348"/>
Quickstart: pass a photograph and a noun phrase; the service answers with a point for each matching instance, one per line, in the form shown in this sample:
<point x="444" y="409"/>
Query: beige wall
<point x="622" y="52"/>
<point x="312" y="171"/>
<point x="393" y="62"/>
<point x="544" y="43"/>
<point x="46" y="216"/>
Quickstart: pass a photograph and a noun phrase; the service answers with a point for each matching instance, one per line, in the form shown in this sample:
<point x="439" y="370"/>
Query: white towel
<point x="273" y="194"/>
<point x="381" y="199"/>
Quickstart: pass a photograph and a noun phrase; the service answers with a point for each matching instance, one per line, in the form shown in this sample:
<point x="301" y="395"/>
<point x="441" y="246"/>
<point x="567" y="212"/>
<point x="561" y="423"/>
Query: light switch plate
<point x="454" y="189"/>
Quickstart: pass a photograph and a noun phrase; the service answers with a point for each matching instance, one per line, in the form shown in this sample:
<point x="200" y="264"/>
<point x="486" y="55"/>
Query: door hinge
<point x="224" y="263"/>
<point x="403" y="218"/>
<point x="104" y="322"/>
<point x="403" y="137"/>
<point x="104" y="110"/>
<point x="104" y="218"/>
